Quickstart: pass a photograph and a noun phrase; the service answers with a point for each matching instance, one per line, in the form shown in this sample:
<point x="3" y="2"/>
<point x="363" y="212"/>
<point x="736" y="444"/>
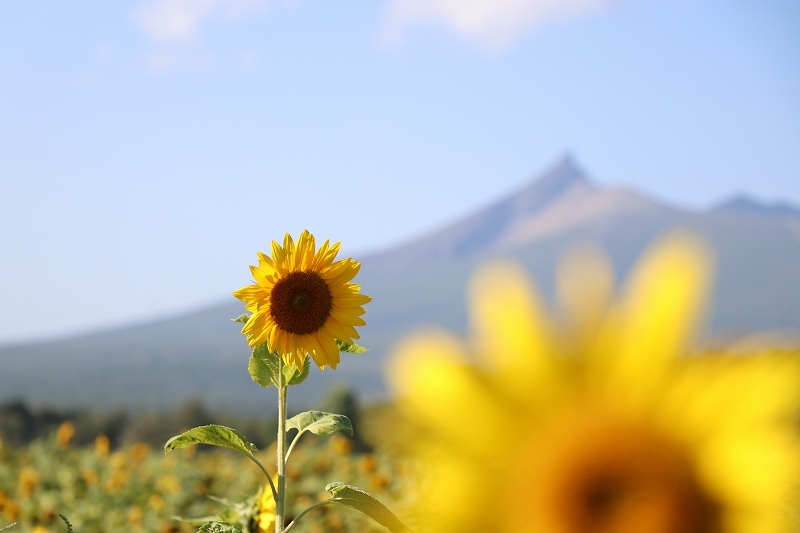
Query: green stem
<point x="269" y="478"/>
<point x="291" y="446"/>
<point x="280" y="501"/>
<point x="307" y="509"/>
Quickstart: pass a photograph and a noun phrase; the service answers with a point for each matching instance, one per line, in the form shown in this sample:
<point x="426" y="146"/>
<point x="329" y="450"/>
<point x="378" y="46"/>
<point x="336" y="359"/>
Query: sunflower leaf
<point x="295" y="376"/>
<point x="264" y="366"/>
<point x="320" y="423"/>
<point x="359" y="500"/>
<point x="219" y="527"/>
<point x="214" y="435"/>
<point x="241" y="318"/>
<point x="350" y="348"/>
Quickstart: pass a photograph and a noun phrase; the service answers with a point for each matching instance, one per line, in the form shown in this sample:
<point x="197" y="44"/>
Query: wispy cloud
<point x="176" y="29"/>
<point x="183" y="20"/>
<point x="497" y="24"/>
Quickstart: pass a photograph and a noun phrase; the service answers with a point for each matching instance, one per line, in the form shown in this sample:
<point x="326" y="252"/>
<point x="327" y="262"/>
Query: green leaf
<point x="320" y="423"/>
<point x="350" y="348"/>
<point x="214" y="435"/>
<point x="361" y="501"/>
<point x="219" y="527"/>
<point x="264" y="366"/>
<point x="294" y="376"/>
<point x="241" y="318"/>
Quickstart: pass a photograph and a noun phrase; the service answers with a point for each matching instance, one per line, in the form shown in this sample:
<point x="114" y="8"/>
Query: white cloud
<point x="182" y="20"/>
<point x="494" y="23"/>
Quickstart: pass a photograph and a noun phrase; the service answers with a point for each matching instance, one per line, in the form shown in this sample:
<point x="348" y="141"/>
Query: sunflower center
<point x="301" y="302"/>
<point x="621" y="479"/>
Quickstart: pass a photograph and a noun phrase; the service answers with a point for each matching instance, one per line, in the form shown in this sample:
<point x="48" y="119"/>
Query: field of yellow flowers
<point x="138" y="488"/>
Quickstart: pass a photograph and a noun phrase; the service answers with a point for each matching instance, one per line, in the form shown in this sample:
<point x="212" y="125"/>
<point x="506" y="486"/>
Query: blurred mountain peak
<point x="743" y="203"/>
<point x="560" y="197"/>
<point x="486" y="229"/>
<point x="548" y="186"/>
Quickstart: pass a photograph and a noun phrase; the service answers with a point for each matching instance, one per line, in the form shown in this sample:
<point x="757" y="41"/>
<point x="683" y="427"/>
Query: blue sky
<point x="148" y="148"/>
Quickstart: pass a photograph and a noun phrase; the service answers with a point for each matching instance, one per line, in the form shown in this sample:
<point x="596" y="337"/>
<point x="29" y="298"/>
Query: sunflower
<point x="602" y="419"/>
<point x="303" y="302"/>
<point x="265" y="517"/>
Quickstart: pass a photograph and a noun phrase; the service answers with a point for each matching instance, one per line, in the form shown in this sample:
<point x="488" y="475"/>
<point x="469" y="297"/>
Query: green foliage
<point x="320" y="423"/>
<point x="295" y="376"/>
<point x="241" y="318"/>
<point x="361" y="501"/>
<point x="102" y="494"/>
<point x="264" y="367"/>
<point x="350" y="348"/>
<point x="214" y="435"/>
<point x="219" y="527"/>
<point x="342" y="399"/>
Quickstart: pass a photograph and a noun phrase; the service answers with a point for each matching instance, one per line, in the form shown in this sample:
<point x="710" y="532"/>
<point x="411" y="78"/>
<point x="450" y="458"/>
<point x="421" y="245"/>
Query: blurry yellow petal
<point x="510" y="328"/>
<point x="723" y="393"/>
<point x="754" y="468"/>
<point x="665" y="301"/>
<point x="439" y="391"/>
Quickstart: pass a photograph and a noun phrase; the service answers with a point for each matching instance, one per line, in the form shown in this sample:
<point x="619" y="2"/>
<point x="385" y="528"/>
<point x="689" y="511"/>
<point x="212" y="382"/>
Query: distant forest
<point x="20" y="423"/>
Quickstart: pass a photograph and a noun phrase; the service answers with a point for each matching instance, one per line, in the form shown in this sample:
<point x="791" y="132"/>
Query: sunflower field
<point x="138" y="488"/>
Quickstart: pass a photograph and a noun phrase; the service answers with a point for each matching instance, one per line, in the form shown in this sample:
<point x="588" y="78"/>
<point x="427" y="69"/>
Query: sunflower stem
<point x="280" y="501"/>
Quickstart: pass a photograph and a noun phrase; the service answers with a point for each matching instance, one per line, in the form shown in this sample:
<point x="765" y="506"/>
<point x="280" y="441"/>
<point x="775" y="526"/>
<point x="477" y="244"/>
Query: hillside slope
<point x="422" y="283"/>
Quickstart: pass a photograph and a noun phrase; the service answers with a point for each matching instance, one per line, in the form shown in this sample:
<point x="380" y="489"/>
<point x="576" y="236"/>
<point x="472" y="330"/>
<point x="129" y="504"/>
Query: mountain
<point x="745" y="204"/>
<point x="422" y="283"/>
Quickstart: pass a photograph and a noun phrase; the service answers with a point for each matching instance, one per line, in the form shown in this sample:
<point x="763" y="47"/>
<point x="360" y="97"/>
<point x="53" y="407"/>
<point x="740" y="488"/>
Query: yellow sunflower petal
<point x="342" y="271"/>
<point x="249" y="293"/>
<point x="325" y="256"/>
<point x="429" y="375"/>
<point x="331" y="351"/>
<point x="510" y="329"/>
<point x="305" y="251"/>
<point x="664" y="303"/>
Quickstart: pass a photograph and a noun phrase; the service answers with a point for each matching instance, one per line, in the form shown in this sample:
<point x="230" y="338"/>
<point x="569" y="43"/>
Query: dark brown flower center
<point x="624" y="482"/>
<point x="598" y="475"/>
<point x="300" y="303"/>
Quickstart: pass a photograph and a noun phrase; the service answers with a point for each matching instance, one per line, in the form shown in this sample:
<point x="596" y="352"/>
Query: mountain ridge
<point x="422" y="282"/>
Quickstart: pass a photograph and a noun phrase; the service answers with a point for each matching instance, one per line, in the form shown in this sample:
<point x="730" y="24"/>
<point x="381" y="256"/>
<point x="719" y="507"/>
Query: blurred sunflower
<point x="302" y="301"/>
<point x="265" y="517"/>
<point x="599" y="422"/>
